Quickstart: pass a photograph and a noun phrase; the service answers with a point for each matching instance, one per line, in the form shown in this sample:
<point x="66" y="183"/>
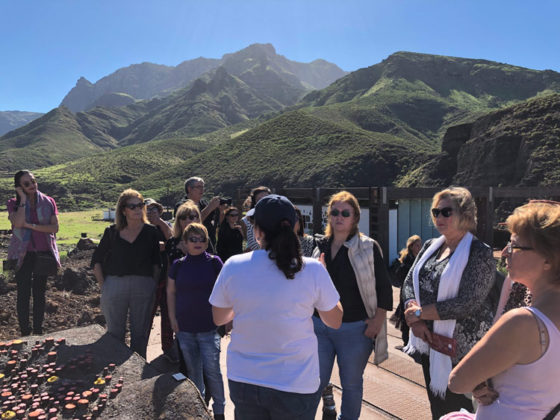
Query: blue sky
<point x="47" y="45"/>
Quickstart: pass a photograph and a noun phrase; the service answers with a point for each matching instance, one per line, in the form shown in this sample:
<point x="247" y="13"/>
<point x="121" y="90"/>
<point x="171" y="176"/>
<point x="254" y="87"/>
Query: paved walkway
<point x="393" y="390"/>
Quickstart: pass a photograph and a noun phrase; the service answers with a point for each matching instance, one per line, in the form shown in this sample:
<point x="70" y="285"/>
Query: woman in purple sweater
<point x="191" y="280"/>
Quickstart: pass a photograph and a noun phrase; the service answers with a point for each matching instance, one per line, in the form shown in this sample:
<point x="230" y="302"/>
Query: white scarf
<point x="440" y="364"/>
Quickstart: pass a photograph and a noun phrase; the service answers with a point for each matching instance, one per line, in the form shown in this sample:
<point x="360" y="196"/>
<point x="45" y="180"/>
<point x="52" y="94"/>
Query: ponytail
<point x="284" y="247"/>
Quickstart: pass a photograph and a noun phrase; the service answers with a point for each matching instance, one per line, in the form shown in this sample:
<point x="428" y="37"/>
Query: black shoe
<point x="329" y="406"/>
<point x="219" y="417"/>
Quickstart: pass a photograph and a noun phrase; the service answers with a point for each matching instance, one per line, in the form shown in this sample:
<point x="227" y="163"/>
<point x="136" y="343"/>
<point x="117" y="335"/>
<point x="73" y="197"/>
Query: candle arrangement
<point x="34" y="386"/>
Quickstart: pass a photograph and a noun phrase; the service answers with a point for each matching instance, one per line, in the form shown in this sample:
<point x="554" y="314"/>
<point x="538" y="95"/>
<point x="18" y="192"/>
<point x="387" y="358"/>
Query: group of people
<point x="294" y="303"/>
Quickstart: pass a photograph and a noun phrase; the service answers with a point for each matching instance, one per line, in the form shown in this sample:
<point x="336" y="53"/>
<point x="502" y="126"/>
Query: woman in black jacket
<point x="230" y="237"/>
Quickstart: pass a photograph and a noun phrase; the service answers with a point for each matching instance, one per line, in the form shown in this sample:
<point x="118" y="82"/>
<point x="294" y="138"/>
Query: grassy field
<point x="71" y="226"/>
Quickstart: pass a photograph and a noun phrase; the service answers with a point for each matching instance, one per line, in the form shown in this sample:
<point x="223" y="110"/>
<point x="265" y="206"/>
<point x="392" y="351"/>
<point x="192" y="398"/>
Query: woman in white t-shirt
<point x="271" y="294"/>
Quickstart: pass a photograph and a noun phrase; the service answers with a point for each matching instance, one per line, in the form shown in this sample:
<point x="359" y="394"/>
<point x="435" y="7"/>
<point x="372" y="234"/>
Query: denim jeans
<point x="253" y="402"/>
<point x="352" y="350"/>
<point x="201" y="352"/>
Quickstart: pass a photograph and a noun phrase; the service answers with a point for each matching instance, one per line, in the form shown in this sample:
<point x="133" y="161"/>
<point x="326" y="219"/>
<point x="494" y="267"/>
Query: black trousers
<point x="452" y="401"/>
<point x="28" y="281"/>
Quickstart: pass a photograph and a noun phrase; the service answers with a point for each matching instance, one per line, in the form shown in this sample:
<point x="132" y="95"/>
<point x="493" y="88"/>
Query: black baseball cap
<point x="271" y="210"/>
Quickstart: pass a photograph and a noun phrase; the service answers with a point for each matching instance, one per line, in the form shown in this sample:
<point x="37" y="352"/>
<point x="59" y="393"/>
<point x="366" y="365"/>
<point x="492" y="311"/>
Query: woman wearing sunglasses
<point x="127" y="264"/>
<point x="34" y="219"/>
<point x="446" y="295"/>
<point x="355" y="264"/>
<point x="190" y="282"/>
<point x="186" y="214"/>
<point x="520" y="352"/>
<point x="230" y="236"/>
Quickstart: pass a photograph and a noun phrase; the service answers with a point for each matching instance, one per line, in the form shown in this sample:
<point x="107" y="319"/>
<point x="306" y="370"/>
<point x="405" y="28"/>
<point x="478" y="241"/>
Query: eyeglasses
<point x="153" y="209"/>
<point x="344" y="213"/>
<point x="233" y="214"/>
<point x="198" y="187"/>
<point x="27" y="184"/>
<point x="135" y="206"/>
<point x="189" y="216"/>
<point x="445" y="212"/>
<point x="196" y="239"/>
<point x="511" y="247"/>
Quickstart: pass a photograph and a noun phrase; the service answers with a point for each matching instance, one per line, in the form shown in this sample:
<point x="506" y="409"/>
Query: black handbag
<point x="45" y="264"/>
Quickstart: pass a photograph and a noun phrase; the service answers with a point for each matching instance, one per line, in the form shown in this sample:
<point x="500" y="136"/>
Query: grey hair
<point x="191" y="181"/>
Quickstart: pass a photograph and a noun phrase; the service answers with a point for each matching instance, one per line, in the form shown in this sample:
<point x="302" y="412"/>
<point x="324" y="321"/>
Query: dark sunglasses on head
<point x="196" y="239"/>
<point x="27" y="184"/>
<point x="445" y="212"/>
<point x="344" y="213"/>
<point x="188" y="216"/>
<point x="135" y="206"/>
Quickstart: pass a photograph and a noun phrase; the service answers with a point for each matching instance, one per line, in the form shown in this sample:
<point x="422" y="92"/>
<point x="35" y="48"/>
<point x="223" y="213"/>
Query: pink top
<point x="528" y="391"/>
<point x="39" y="238"/>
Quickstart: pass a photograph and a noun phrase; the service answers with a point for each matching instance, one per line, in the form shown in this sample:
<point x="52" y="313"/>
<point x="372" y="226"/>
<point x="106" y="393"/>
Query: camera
<point x="224" y="200"/>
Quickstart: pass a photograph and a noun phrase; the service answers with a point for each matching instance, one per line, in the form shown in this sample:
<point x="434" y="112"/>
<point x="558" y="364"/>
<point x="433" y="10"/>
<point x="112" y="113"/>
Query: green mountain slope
<point x="515" y="146"/>
<point x="56" y="136"/>
<point x="422" y="95"/>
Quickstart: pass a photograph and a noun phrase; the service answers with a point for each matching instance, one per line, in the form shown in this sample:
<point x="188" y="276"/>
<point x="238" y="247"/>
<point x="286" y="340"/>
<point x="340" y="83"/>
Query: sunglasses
<point x="196" y="239"/>
<point x="189" y="216"/>
<point x="510" y="248"/>
<point x="233" y="214"/>
<point x="135" y="206"/>
<point x="27" y="184"/>
<point x="344" y="213"/>
<point x="445" y="212"/>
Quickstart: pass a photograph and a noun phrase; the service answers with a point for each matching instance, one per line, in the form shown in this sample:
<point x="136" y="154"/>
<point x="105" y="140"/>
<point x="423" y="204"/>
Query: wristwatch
<point x="33" y="225"/>
<point x="418" y="312"/>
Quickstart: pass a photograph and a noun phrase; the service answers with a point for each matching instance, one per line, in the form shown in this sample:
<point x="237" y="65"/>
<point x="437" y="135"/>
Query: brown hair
<point x="197" y="229"/>
<point x="344" y="197"/>
<point x="539" y="223"/>
<point x="408" y="250"/>
<point x="120" y="218"/>
<point x="187" y="208"/>
<point x="463" y="204"/>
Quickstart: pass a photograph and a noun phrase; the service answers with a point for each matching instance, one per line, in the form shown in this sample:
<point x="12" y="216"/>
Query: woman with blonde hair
<point x="186" y="214"/>
<point x="520" y="352"/>
<point x="447" y="296"/>
<point x="355" y="264"/>
<point x="126" y="265"/>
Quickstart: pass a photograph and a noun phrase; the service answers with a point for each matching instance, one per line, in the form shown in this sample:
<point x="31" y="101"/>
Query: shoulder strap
<point x="553" y="412"/>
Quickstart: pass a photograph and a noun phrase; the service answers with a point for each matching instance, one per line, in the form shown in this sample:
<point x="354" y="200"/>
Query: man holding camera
<point x="209" y="211"/>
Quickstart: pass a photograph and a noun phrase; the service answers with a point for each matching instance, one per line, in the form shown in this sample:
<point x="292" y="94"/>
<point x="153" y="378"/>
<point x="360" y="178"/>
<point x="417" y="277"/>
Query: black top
<point x="121" y="258"/>
<point x="230" y="241"/>
<point x="344" y="279"/>
<point x="172" y="251"/>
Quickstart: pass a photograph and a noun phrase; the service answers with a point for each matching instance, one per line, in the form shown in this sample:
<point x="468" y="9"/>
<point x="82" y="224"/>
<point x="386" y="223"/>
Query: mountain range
<point x="412" y="119"/>
<point x="10" y="120"/>
<point x="148" y="80"/>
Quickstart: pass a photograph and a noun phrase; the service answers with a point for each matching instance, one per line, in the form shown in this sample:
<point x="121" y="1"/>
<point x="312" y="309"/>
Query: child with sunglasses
<point x="189" y="285"/>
